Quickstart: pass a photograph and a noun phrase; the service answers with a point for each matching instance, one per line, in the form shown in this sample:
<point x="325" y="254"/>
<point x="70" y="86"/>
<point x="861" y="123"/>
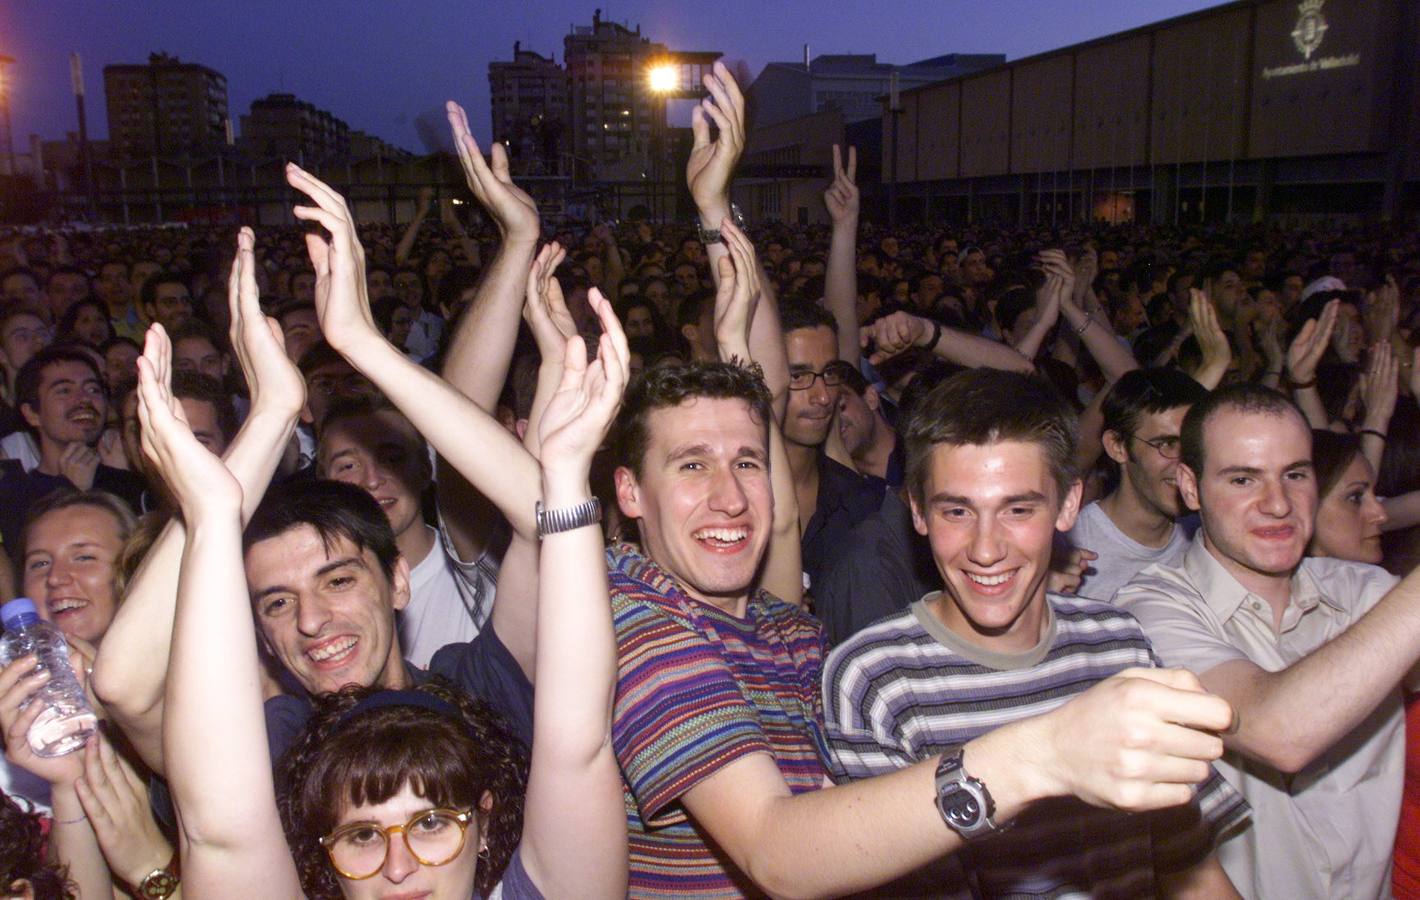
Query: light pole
<point x="663" y="78"/>
<point x="5" y="62"/>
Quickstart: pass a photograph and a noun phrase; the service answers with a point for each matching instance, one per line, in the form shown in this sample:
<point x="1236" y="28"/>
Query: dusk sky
<point x="379" y="64"/>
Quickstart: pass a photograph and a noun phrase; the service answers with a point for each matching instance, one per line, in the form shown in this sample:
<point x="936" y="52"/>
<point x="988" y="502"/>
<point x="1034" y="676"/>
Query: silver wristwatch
<point x="712" y="235"/>
<point x="552" y="521"/>
<point x="964" y="802"/>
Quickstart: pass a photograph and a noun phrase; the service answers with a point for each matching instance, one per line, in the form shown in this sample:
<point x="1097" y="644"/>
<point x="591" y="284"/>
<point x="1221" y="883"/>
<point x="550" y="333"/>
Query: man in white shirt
<point x="453" y="574"/>
<point x="1310" y="653"/>
<point x="1137" y="525"/>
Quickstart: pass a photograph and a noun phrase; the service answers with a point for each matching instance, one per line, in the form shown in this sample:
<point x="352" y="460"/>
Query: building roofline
<point x="1094" y="42"/>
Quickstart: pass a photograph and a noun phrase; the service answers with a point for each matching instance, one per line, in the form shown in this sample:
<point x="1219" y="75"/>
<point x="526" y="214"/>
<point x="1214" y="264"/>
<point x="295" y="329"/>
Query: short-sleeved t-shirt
<point x="698" y="689"/>
<point x="1328" y="830"/>
<point x="1120" y="556"/>
<point x="907" y="688"/>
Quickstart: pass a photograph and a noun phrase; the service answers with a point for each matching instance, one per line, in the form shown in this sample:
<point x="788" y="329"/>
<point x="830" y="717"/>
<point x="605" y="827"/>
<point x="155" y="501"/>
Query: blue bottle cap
<point x="18" y="612"/>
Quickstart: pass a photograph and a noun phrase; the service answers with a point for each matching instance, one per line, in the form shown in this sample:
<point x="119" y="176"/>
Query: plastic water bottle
<point x="67" y="721"/>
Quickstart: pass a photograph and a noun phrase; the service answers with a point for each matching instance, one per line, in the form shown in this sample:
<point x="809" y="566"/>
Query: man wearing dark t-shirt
<point x="62" y="397"/>
<point x="326" y="580"/>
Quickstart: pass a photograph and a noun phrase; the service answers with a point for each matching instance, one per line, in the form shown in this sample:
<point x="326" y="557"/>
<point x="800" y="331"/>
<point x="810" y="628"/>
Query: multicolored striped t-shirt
<point x="698" y="689"/>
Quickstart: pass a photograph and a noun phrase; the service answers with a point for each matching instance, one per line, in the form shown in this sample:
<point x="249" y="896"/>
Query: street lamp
<point x="5" y="62"/>
<point x="663" y="78"/>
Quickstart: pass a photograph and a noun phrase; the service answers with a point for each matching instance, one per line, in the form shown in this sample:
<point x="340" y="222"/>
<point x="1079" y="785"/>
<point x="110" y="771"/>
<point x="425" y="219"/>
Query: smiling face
<point x="809" y="413"/>
<point x="327" y="613"/>
<point x="1150" y="476"/>
<point x="402" y="875"/>
<point x="990" y="512"/>
<point x="1257" y="493"/>
<point x="72" y="404"/>
<point x="383" y="454"/>
<point x="69" y="565"/>
<point x="703" y="497"/>
<point x="1349" y="519"/>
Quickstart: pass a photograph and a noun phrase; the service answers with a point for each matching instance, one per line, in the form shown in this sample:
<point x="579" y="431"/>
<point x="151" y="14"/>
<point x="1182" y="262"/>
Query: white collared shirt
<point x="1328" y="830"/>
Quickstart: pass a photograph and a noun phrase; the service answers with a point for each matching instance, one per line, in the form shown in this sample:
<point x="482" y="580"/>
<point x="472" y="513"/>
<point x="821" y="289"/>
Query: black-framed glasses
<point x="434" y="837"/>
<point x="834" y="375"/>
<point x="1168" y="446"/>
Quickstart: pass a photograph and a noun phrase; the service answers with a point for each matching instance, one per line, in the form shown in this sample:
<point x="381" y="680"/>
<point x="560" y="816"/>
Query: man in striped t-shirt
<point x="718" y="721"/>
<point x="991" y="483"/>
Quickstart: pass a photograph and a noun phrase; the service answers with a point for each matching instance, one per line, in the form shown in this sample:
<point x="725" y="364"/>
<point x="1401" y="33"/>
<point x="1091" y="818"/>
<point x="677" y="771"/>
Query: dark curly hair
<point x="338" y="762"/>
<point x="22" y="853"/>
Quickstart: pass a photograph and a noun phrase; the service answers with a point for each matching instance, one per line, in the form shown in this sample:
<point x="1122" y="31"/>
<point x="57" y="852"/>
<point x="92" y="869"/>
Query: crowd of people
<point x="716" y="558"/>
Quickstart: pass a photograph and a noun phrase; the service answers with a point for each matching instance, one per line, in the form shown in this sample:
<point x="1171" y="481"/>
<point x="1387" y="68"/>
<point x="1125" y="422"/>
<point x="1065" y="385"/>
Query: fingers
<point x="699" y="129"/>
<point x="1177" y="696"/>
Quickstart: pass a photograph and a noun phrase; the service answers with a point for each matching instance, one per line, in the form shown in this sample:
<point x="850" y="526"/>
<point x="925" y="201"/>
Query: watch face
<point x="962" y="809"/>
<point x="158" y="885"/>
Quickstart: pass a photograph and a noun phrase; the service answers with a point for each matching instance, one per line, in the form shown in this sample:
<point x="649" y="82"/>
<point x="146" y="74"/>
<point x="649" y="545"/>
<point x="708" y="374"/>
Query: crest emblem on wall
<point x="1310" y="28"/>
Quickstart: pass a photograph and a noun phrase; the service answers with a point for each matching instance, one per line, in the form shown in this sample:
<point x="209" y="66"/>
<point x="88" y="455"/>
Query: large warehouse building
<point x="1253" y="110"/>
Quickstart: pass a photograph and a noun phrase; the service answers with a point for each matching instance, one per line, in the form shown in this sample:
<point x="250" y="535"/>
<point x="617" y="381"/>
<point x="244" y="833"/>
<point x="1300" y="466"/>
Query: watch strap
<point x="553" y="521"/>
<point x="712" y="235"/>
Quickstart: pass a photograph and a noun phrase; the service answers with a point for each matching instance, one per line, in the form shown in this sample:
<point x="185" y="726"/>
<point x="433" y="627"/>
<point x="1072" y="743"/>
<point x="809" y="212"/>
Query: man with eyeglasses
<point x="832" y="497"/>
<point x="1137" y="524"/>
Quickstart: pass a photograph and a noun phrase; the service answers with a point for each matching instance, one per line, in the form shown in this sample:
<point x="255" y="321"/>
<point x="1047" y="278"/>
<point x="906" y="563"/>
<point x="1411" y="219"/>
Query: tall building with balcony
<point x="530" y="109"/>
<point x="165" y="108"/>
<point x="617" y="122"/>
<point x="281" y="125"/>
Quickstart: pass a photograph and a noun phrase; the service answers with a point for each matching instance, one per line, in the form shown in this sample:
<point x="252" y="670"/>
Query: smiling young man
<point x="369" y="443"/>
<point x="990" y="477"/>
<point x="718" y="723"/>
<point x="63" y="400"/>
<point x="1136" y="524"/>
<point x="1310" y="651"/>
<point x="326" y="579"/>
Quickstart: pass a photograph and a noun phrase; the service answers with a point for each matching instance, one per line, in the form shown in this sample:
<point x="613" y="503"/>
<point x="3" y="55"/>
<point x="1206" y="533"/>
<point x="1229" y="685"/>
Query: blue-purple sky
<point x="380" y="64"/>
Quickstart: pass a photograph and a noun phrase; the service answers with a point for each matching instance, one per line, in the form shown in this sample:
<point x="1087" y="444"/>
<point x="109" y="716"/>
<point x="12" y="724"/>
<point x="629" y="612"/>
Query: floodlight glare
<point x="664" y="79"/>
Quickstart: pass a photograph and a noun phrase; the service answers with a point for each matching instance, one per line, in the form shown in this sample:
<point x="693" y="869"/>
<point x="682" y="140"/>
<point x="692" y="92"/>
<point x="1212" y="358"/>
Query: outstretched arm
<point x="708" y="174"/>
<point x="214" y="734"/>
<point x="131" y="667"/>
<point x="577" y="848"/>
<point x="406" y="240"/>
<point x="900" y="331"/>
<point x="1094" y="331"/>
<point x="1136" y="741"/>
<point x="840" y="285"/>
<point x="1378" y="386"/>
<point x="482" y="346"/>
<point x="735" y="299"/>
<point x="462" y="432"/>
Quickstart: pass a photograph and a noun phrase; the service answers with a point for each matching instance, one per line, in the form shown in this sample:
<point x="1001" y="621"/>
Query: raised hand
<point x="894" y="334"/>
<point x="1378" y="387"/>
<point x="509" y="205"/>
<point x="712" y="163"/>
<point x="342" y="302"/>
<point x="841" y="198"/>
<point x="1056" y="266"/>
<point x="737" y="295"/>
<point x="274" y="382"/>
<point x="1212" y="340"/>
<point x="1310" y="344"/>
<point x="544" y="308"/>
<point x="580" y="412"/>
<point x="116" y="801"/>
<point x="199" y="481"/>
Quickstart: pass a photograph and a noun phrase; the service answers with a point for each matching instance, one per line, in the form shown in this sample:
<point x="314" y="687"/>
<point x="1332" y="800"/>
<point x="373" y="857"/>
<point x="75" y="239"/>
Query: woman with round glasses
<point x="414" y="793"/>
